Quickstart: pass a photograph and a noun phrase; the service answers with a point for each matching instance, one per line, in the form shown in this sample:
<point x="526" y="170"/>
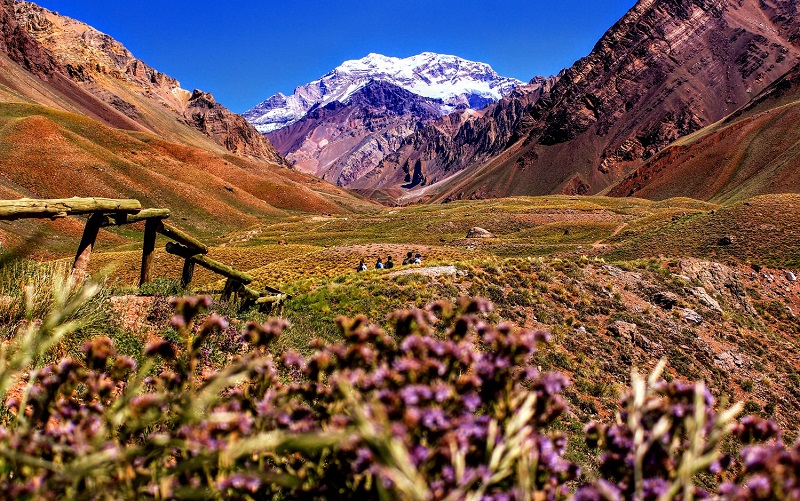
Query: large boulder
<point x="624" y="330"/>
<point x="666" y="300"/>
<point x="691" y="316"/>
<point x="477" y="232"/>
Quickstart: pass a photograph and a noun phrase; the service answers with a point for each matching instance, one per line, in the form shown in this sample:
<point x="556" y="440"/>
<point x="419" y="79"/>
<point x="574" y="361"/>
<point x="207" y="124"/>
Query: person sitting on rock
<point x="362" y="266"/>
<point x="389" y="262"/>
<point x="409" y="258"/>
<point x="418" y="258"/>
<point x="379" y="264"/>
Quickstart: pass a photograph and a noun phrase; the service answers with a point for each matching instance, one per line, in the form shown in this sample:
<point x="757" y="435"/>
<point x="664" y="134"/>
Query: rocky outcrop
<point x="665" y="299"/>
<point x="227" y="128"/>
<point x="666" y="69"/>
<point x="20" y="47"/>
<point x="347" y="143"/>
<point x="478" y="232"/>
<point x="130" y="94"/>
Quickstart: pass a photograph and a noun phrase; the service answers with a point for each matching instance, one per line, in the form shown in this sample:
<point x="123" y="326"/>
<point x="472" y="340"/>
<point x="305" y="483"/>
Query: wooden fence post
<point x="84" y="253"/>
<point x="231" y="287"/>
<point x="188" y="272"/>
<point x="150" y="228"/>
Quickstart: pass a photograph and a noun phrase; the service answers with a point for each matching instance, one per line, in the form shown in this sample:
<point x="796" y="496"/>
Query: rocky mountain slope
<point x="666" y="69"/>
<point x="439" y="151"/>
<point x="343" y="142"/>
<point x="344" y="125"/>
<point x="154" y="101"/>
<point x="753" y="151"/>
<point x="79" y="116"/>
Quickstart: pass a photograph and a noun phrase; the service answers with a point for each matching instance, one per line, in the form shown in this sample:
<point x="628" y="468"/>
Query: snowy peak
<point x="456" y="82"/>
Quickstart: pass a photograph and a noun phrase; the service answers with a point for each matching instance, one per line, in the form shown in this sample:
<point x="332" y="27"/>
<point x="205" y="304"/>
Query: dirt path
<point x="600" y="245"/>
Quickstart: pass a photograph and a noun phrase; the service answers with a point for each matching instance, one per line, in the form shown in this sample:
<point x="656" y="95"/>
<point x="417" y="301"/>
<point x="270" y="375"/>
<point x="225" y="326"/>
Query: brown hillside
<point x="102" y="67"/>
<point x="80" y="116"/>
<point x="666" y="69"/>
<point x="46" y="153"/>
<point x="755" y="151"/>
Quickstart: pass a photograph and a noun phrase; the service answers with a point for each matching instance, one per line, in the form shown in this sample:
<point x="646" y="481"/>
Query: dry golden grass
<point x="317" y="248"/>
<point x="336" y="261"/>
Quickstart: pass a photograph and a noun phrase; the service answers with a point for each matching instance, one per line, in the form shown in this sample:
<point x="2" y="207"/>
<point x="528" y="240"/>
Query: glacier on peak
<point x="454" y="81"/>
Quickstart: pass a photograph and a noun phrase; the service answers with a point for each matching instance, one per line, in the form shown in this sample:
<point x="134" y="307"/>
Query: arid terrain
<point x="619" y="283"/>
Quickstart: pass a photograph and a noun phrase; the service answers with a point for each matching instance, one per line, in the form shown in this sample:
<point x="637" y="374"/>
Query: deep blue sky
<point x="243" y="52"/>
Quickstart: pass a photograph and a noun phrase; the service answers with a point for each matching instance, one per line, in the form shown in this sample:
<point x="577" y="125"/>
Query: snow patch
<point x="457" y="82"/>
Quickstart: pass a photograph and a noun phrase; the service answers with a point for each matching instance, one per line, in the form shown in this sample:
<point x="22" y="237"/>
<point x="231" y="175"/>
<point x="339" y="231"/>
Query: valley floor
<point x="619" y="282"/>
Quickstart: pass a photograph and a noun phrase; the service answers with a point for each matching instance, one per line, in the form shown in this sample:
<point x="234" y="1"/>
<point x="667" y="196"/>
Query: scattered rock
<point x="691" y="316"/>
<point x="666" y="300"/>
<point x="727" y="240"/>
<point x="790" y="276"/>
<point x="728" y="360"/>
<point x="612" y="270"/>
<point x="704" y="298"/>
<point x="477" y="232"/>
<point x="625" y="330"/>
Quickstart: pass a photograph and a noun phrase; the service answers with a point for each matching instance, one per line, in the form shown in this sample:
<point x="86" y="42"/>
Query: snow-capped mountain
<point x="455" y="82"/>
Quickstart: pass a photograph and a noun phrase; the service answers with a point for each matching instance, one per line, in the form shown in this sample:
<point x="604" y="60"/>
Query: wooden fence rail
<point x="26" y="208"/>
<point x="105" y="212"/>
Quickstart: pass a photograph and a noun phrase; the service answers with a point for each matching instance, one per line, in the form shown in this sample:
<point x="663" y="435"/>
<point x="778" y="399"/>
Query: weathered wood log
<point x="279" y="298"/>
<point x="272" y="290"/>
<point x="32" y="208"/>
<point x="187" y="240"/>
<point x="144" y="215"/>
<point x="252" y="293"/>
<point x="149" y="246"/>
<point x="90" y="231"/>
<point x="208" y="263"/>
<point x="188" y="272"/>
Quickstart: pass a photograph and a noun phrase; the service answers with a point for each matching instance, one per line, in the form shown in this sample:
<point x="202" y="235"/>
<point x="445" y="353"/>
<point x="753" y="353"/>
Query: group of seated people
<point x="411" y="258"/>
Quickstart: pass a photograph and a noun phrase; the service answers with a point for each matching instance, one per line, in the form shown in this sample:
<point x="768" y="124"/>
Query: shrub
<point x="446" y="405"/>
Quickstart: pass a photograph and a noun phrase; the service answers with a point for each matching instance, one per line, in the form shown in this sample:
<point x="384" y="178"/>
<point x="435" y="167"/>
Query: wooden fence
<point x="105" y="212"/>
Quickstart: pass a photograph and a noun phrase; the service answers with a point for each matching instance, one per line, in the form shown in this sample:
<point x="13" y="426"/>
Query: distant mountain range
<point x="679" y="98"/>
<point x="666" y="70"/>
<point x="342" y="126"/>
<point x="449" y="82"/>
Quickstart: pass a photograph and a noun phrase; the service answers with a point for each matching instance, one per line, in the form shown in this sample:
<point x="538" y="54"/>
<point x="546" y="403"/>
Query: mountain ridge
<point x="143" y="98"/>
<point x="666" y="69"/>
<point x="753" y="151"/>
<point x="457" y="82"/>
<point x="69" y="127"/>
